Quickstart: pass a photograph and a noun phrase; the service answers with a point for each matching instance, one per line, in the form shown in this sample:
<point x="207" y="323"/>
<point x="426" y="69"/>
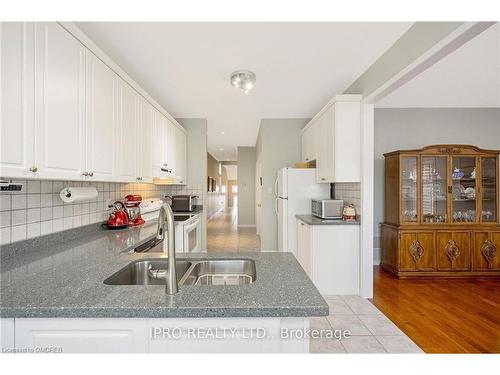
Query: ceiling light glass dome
<point x="243" y="79"/>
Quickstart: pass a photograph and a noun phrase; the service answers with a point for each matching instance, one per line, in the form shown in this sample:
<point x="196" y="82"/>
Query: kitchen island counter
<point x="62" y="275"/>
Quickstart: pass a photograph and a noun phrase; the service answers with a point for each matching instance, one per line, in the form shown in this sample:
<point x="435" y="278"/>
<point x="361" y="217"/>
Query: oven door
<point x="192" y="236"/>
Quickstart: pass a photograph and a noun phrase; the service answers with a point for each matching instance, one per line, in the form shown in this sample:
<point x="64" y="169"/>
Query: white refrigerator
<point x="293" y="190"/>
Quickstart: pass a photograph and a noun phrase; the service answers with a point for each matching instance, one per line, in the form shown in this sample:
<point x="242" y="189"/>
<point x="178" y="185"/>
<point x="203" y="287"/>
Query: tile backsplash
<point x="38" y="210"/>
<point x="350" y="192"/>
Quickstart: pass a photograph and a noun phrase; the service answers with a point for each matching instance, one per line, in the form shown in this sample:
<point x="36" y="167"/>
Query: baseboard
<point x="376" y="257"/>
<point x="246" y="226"/>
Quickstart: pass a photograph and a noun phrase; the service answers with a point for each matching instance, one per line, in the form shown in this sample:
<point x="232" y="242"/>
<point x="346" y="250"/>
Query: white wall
<point x="408" y="128"/>
<point x="246" y="186"/>
<point x="197" y="163"/>
<point x="278" y="146"/>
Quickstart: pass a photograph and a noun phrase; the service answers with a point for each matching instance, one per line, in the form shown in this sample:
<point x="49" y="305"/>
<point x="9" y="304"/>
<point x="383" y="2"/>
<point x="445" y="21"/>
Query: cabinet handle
<point x="85" y="174"/>
<point x="91" y="174"/>
<point x="323" y="178"/>
<point x="307" y="159"/>
<point x="34" y="169"/>
<point x="139" y="178"/>
<point x="302" y="224"/>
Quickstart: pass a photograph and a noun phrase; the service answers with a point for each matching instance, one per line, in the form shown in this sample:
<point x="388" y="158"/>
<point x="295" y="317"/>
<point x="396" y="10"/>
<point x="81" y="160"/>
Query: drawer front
<point x="486" y="251"/>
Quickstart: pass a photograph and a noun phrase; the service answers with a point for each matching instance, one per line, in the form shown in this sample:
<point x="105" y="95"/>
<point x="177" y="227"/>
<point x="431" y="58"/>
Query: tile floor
<point x="370" y="330"/>
<point x="223" y="234"/>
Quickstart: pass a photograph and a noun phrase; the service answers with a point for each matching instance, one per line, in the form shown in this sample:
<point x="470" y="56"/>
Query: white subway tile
<point x="18" y="217"/>
<point x="5" y="202"/>
<point x="33" y="200"/>
<point x="57" y="225"/>
<point x="46" y="200"/>
<point x="33" y="230"/>
<point x="5" y="236"/>
<point x="19" y="202"/>
<point x="18" y="233"/>
<point x="57" y="212"/>
<point x="33" y="215"/>
<point x="5" y="219"/>
<point x="33" y="187"/>
<point x="57" y="186"/>
<point x="77" y="221"/>
<point x="46" y="227"/>
<point x="46" y="213"/>
<point x="68" y="222"/>
<point x="68" y="210"/>
<point x="46" y="187"/>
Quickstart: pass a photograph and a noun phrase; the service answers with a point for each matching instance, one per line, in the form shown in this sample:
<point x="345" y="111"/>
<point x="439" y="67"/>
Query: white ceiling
<point x="299" y="67"/>
<point x="468" y="77"/>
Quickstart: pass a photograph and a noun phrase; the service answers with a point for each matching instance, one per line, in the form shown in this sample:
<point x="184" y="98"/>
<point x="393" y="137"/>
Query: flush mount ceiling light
<point x="243" y="79"/>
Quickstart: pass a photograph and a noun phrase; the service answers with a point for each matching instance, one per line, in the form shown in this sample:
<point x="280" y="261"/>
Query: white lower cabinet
<point x="330" y="256"/>
<point x="173" y="335"/>
<point x="7" y="342"/>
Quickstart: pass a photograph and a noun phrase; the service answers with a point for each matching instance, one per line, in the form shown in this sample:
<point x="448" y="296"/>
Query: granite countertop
<point x="313" y="220"/>
<point x="61" y="275"/>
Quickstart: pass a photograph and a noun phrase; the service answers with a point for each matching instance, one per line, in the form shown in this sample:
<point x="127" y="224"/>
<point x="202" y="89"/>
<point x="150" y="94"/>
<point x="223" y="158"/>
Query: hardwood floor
<point x="443" y="315"/>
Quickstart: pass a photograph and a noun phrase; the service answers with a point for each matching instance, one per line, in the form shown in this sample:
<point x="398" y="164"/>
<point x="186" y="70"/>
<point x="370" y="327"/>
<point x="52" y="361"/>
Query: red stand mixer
<point x="132" y="203"/>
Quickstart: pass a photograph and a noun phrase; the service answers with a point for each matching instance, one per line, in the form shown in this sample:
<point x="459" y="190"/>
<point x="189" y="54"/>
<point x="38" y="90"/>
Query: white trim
<point x="71" y="28"/>
<point x="440" y="50"/>
<point x="367" y="196"/>
<point x="246" y="226"/>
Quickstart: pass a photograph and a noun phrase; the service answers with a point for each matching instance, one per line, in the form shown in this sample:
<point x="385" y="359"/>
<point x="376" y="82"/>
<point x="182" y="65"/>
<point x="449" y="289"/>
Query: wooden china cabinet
<point x="442" y="212"/>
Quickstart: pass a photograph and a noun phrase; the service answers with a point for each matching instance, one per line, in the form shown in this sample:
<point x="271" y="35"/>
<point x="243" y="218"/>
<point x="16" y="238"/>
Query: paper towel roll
<point x="77" y="194"/>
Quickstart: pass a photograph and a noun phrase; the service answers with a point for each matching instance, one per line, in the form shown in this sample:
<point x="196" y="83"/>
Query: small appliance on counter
<point x="150" y="208"/>
<point x="132" y="206"/>
<point x="327" y="208"/>
<point x="349" y="213"/>
<point x="118" y="218"/>
<point x="183" y="203"/>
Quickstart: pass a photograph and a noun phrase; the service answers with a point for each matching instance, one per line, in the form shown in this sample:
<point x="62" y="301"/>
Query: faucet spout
<point x="166" y="228"/>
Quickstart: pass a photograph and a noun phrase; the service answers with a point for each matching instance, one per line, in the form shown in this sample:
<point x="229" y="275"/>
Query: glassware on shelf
<point x="409" y="188"/>
<point x="464" y="189"/>
<point x="489" y="169"/>
<point x="434" y="189"/>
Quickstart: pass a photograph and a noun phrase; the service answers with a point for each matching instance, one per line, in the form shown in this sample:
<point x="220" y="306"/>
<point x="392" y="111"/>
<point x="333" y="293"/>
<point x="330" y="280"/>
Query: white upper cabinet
<point x="17" y="128"/>
<point x="67" y="114"/>
<point x="59" y="103"/>
<point x="309" y="147"/>
<point x="126" y="140"/>
<point x="180" y="155"/>
<point x="145" y="139"/>
<point x="100" y="120"/>
<point x="332" y="138"/>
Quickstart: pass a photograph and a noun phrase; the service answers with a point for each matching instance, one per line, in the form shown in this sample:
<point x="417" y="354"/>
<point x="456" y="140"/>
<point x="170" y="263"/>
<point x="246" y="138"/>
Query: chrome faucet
<point x="166" y="228"/>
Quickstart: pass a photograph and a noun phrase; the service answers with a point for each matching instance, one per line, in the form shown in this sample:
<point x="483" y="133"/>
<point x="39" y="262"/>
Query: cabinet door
<point x="464" y="189"/>
<point x="100" y="121"/>
<point x="309" y="143"/>
<point x="180" y="154"/>
<point x="325" y="157"/>
<point x="453" y="250"/>
<point x="16" y="99"/>
<point x="126" y="137"/>
<point x="304" y="248"/>
<point x="486" y="251"/>
<point x="158" y="145"/>
<point x="144" y="135"/>
<point x="59" y="103"/>
<point x="434" y="189"/>
<point x="489" y="193"/>
<point x="83" y="335"/>
<point x="346" y="140"/>
<point x="171" y="145"/>
<point x="417" y="251"/>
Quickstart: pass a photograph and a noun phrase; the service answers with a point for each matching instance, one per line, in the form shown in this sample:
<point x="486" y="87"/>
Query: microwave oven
<point x="327" y="208"/>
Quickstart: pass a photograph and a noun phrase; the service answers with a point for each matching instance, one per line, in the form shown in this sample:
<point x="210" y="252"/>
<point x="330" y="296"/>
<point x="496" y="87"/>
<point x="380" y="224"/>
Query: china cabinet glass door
<point x="464" y="189"/>
<point x="434" y="189"/>
<point x="489" y="190"/>
<point x="409" y="189"/>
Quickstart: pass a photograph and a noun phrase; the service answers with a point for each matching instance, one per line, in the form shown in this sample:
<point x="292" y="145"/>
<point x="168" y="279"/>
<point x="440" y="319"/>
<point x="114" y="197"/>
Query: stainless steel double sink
<point x="189" y="272"/>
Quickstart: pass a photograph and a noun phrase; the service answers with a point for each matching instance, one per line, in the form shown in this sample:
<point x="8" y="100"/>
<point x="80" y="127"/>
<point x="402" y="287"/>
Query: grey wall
<point x="246" y="185"/>
<point x="197" y="163"/>
<point x="406" y="128"/>
<point x="278" y="146"/>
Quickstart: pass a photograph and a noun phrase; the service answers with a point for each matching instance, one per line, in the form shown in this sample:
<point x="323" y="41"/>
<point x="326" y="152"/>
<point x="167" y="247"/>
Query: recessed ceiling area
<point x="468" y="77"/>
<point x="186" y="67"/>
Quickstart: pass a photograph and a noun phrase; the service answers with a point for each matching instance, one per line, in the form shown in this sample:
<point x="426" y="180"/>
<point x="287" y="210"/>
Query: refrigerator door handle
<point x="276" y="186"/>
<point x="276" y="207"/>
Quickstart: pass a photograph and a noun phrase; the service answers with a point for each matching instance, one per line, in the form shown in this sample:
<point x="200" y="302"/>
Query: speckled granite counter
<point x="62" y="276"/>
<point x="313" y="220"/>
